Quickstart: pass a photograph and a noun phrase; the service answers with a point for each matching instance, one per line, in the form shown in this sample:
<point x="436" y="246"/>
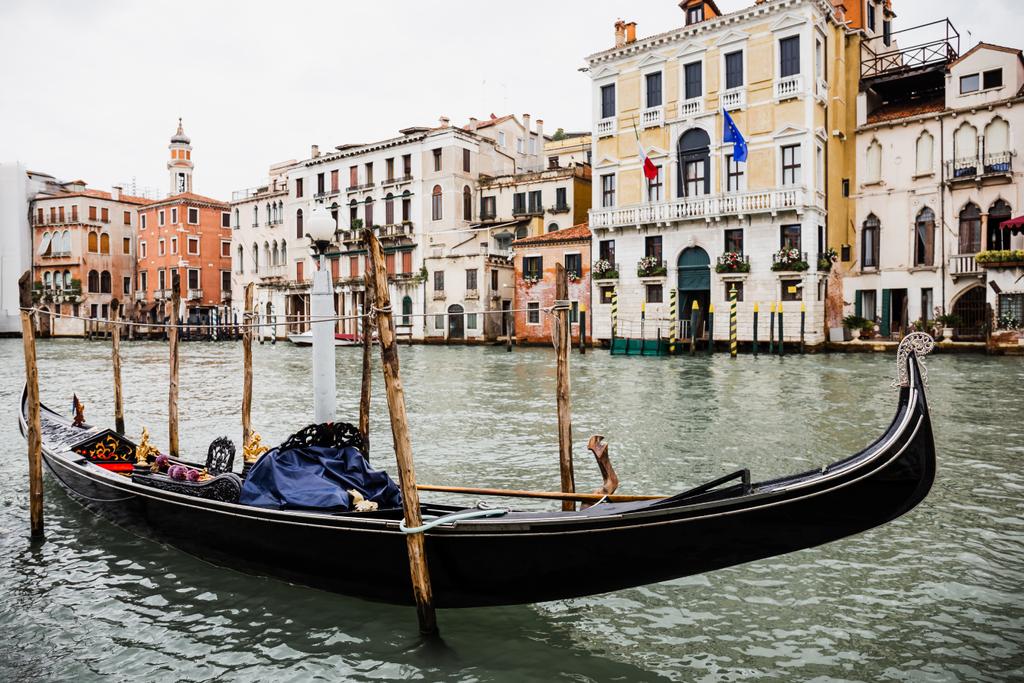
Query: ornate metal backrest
<point x="328" y="434"/>
<point x="221" y="456"/>
<point x="920" y="344"/>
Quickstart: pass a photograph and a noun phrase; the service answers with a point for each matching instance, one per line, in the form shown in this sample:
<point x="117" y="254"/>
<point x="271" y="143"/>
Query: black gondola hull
<point x="532" y="557"/>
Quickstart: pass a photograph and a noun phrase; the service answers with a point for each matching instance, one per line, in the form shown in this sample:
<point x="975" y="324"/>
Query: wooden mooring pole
<point x="35" y="439"/>
<point x="418" y="570"/>
<point x="364" y="393"/>
<point x="115" y="355"/>
<point x="562" y="399"/>
<point x="172" y="394"/>
<point x="247" y="333"/>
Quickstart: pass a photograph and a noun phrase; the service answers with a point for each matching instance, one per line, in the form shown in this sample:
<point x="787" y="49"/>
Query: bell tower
<point x="179" y="166"/>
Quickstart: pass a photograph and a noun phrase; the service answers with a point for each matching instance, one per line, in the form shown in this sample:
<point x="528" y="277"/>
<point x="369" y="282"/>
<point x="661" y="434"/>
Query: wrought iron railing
<point x="934" y="43"/>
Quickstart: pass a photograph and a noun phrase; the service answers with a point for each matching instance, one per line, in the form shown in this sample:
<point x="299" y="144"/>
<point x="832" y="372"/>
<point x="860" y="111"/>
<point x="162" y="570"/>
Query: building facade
<point x="188" y="234"/>
<point x="84" y="256"/>
<point x="707" y="222"/>
<point x="536" y="258"/>
<point x="936" y="178"/>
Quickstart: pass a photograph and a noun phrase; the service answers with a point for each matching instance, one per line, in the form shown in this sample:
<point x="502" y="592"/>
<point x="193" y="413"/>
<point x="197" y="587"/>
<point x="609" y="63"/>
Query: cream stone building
<point x="937" y="174"/>
<point x="781" y="70"/>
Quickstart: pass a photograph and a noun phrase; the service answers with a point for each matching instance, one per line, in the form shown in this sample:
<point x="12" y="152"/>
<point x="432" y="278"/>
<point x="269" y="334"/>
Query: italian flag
<point x="650" y="170"/>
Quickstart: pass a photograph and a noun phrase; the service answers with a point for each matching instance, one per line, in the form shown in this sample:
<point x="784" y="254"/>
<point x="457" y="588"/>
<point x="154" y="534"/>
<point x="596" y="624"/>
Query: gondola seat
<point x="226" y="487"/>
<point x="220" y="457"/>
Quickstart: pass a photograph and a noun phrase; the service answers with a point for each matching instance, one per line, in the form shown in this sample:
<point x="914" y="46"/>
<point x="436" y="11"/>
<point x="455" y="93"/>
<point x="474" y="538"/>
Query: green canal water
<point x="933" y="596"/>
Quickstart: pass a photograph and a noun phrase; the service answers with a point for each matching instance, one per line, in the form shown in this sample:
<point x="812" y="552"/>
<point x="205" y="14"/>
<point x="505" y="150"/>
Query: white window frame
<point x="188" y="246"/>
<point x="160" y="216"/>
<point x="161" y="248"/>
<point x="533" y="305"/>
<point x="199" y="278"/>
<point x="188" y="215"/>
<point x="733" y="42"/>
<point x="615" y="187"/>
<point x="222" y="243"/>
<point x="174" y="215"/>
<point x="725" y="176"/>
<point x="142" y="221"/>
<point x="142" y="249"/>
<point x="779" y="155"/>
<point x="174" y="245"/>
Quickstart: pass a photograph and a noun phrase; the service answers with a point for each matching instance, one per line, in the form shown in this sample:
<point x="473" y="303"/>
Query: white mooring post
<point x="321" y="310"/>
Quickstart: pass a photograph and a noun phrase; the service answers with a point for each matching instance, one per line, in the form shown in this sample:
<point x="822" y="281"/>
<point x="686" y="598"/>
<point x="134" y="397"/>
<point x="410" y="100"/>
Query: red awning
<point x="1014" y="225"/>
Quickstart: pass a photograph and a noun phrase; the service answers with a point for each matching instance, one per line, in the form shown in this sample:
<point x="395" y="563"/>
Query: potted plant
<point x="789" y="259"/>
<point x="604" y="270"/>
<point x="826" y="259"/>
<point x="649" y="266"/>
<point x="948" y="322"/>
<point x="854" y="323"/>
<point x="868" y="329"/>
<point x="732" y="262"/>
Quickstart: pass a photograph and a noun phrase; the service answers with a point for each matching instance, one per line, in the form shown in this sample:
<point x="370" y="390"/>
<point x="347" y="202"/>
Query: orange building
<point x="189" y="234"/>
<point x="83" y="256"/>
<point x="535" y="259"/>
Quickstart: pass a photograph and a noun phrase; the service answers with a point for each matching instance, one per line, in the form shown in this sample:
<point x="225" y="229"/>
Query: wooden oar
<point x="551" y="495"/>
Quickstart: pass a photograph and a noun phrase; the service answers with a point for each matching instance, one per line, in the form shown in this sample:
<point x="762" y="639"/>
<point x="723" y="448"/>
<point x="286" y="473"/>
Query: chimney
<point x="631" y="32"/>
<point x="540" y="130"/>
<point x="620" y="33"/>
<point x="473" y="123"/>
<point x="115" y="193"/>
<point x="444" y="121"/>
<point x="526" y="125"/>
<point x="314" y="152"/>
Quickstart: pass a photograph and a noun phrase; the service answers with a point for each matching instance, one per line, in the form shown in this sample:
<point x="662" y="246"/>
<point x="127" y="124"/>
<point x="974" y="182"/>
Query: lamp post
<point x="320" y="229"/>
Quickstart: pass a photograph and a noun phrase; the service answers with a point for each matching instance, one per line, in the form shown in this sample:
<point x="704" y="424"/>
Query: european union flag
<point x="732" y="134"/>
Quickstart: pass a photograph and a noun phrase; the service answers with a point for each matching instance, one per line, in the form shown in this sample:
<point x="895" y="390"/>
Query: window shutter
<point x="886" y="309"/>
<point x="858" y="303"/>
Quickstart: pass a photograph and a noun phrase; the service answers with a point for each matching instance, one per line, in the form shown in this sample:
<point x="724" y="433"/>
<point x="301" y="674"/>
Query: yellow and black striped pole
<point x="732" y="321"/>
<point x="755" y="329"/>
<point x="673" y="316"/>
<point x="711" y="328"/>
<point x="693" y="327"/>
<point x="615" y="312"/>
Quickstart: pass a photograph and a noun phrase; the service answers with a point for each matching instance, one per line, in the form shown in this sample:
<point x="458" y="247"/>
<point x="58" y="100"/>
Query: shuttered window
<point x="789" y="56"/>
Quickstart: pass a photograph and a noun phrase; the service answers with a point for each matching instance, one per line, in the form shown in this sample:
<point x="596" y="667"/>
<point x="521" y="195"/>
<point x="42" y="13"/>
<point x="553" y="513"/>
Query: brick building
<point x="189" y="234"/>
<point x="535" y="259"/>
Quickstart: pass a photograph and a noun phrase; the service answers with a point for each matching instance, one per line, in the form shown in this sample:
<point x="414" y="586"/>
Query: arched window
<point x="280" y="212"/>
<point x="255" y="215"/>
<point x="67" y="279"/>
<point x="65" y="245"/>
<point x="874" y="159"/>
<point x="997" y="237"/>
<point x="924" y="238"/>
<point x="407" y="310"/>
<point x="47" y="280"/>
<point x="94" y="243"/>
<point x="368" y="213"/>
<point x="353" y="215"/>
<point x="694" y="150"/>
<point x="45" y="246"/>
<point x="94" y="281"/>
<point x="334" y="215"/>
<point x="521" y="232"/>
<point x="389" y="209"/>
<point x="869" y="242"/>
<point x="406" y="206"/>
<point x="255" y="258"/>
<point x="284" y="253"/>
<point x="552" y="227"/>
<point x="997" y="145"/>
<point x="237" y="222"/>
<point x="299" y="231"/>
<point x="273" y="253"/>
<point x="266" y="256"/>
<point x="270" y="215"/>
<point x="925" y="145"/>
<point x="241" y="265"/>
<point x="435" y="203"/>
<point x="104" y="243"/>
<point x="467" y="204"/>
<point x="965" y="151"/>
<point x="970" y="229"/>
<point x="105" y="282"/>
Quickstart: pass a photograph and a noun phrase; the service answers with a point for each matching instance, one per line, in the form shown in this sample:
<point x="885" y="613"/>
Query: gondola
<point x="517" y="557"/>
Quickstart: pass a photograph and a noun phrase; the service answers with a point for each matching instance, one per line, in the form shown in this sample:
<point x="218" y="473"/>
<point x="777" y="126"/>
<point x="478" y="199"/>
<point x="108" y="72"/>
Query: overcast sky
<point x="94" y="89"/>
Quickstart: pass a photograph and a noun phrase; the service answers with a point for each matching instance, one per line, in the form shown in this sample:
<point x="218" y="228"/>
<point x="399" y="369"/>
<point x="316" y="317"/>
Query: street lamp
<point x="320" y="231"/>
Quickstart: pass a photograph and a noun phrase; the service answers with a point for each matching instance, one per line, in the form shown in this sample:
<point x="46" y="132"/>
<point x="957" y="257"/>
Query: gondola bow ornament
<point x="920" y="344"/>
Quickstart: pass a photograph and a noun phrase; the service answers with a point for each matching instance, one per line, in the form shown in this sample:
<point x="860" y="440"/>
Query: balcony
<point x="395" y="230"/>
<point x="161" y="294"/>
<point x="789" y="87"/>
<point x="691" y="107"/>
<point x="731" y="262"/>
<point x="929" y="46"/>
<point x="140" y="295"/>
<point x="225" y="296"/>
<point x="652" y="117"/>
<point x="194" y="294"/>
<point x="520" y="211"/>
<point x="695" y="208"/>
<point x="439" y="295"/>
<point x="734" y="99"/>
<point x="472" y="294"/>
<point x="790" y="260"/>
<point x="964" y="266"/>
<point x="1000" y="258"/>
<point x="559" y="208"/>
<point x="606" y="127"/>
<point x="990" y="167"/>
<point x="649" y="266"/>
<point x="821" y="90"/>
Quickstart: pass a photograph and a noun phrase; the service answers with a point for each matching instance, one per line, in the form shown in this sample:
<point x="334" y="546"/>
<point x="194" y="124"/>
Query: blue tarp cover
<point x="316" y="478"/>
